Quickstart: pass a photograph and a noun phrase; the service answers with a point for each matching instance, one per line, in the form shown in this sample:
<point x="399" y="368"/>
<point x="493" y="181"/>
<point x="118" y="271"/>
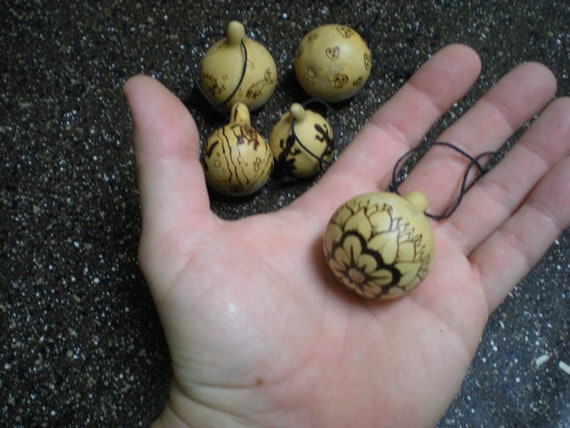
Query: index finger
<point x="400" y="124"/>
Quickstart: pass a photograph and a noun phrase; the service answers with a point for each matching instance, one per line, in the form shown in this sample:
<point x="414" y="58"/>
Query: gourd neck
<point x="240" y="115"/>
<point x="235" y="33"/>
<point x="297" y="111"/>
<point x="418" y="199"/>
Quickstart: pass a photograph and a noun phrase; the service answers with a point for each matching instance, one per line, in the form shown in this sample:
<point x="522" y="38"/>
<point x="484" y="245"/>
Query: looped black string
<point x="197" y="45"/>
<point x="323" y="163"/>
<point x="473" y="162"/>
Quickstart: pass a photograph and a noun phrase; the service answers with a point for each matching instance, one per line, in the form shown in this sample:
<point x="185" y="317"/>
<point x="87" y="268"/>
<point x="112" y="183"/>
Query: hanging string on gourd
<point x="198" y="45"/>
<point x="380" y="245"/>
<point x="302" y="141"/>
<point x="465" y="185"/>
<point x="251" y="84"/>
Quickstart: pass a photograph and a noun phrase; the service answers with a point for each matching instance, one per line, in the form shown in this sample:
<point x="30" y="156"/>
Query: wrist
<point x="169" y="419"/>
<point x="183" y="412"/>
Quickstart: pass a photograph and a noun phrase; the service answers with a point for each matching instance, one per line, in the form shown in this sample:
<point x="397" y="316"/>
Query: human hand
<point x="259" y="332"/>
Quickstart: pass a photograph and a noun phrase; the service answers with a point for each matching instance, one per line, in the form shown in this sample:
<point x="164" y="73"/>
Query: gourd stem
<point x="418" y="199"/>
<point x="297" y="111"/>
<point x="235" y="33"/>
<point x="240" y="115"/>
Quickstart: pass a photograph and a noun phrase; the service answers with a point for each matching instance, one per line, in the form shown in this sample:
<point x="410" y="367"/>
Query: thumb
<point x="174" y="199"/>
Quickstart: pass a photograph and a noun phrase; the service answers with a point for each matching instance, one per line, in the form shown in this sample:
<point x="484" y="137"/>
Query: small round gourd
<point x="333" y="62"/>
<point x="237" y="160"/>
<point x="225" y="77"/>
<point x="380" y="245"/>
<point x="301" y="142"/>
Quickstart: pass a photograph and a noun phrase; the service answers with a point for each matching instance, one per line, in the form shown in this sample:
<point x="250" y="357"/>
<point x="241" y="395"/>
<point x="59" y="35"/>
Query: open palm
<point x="259" y="332"/>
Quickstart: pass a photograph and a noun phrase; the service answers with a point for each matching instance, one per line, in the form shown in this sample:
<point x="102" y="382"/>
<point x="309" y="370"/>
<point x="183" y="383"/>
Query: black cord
<point x="196" y="45"/>
<point x="324" y="160"/>
<point x="473" y="162"/>
<point x="244" y="49"/>
<point x="323" y="163"/>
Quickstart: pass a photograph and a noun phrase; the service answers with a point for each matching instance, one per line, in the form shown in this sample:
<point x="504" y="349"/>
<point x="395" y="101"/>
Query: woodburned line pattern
<point x="375" y="252"/>
<point x="296" y="148"/>
<point x="333" y="62"/>
<point x="236" y="162"/>
<point x="257" y="88"/>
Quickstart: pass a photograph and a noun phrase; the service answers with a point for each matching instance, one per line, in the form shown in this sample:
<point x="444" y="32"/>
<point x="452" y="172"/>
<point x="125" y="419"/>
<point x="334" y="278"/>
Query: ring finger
<point x="485" y="127"/>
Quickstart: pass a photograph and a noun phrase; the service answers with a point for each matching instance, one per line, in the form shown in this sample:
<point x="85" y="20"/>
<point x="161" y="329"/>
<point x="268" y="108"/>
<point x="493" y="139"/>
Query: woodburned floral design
<point x="376" y="252"/>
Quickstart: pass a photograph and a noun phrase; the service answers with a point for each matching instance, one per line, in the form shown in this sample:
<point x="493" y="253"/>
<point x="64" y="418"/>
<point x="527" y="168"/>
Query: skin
<point x="259" y="332"/>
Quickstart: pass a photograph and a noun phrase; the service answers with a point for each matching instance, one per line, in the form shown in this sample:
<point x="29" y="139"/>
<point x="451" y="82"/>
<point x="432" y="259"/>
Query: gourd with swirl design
<point x="237" y="160"/>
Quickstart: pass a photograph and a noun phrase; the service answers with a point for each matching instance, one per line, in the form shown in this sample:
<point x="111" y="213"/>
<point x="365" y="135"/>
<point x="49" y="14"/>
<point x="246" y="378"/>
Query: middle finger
<point x="485" y="127"/>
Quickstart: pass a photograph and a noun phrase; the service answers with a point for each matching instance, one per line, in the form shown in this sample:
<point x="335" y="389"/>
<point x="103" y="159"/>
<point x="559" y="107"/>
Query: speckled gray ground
<point x="81" y="343"/>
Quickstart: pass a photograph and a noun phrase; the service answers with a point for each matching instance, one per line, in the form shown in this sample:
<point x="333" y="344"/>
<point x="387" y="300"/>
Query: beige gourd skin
<point x="237" y="160"/>
<point x="380" y="245"/>
<point x="301" y="142"/>
<point x="223" y="65"/>
<point x="333" y="62"/>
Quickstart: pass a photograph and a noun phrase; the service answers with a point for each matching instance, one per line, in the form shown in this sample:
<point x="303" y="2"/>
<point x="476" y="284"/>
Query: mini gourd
<point x="237" y="69"/>
<point x="301" y="142"/>
<point x="237" y="160"/>
<point x="380" y="245"/>
<point x="333" y="62"/>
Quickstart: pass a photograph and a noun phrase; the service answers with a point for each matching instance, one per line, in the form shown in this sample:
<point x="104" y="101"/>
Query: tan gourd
<point x="237" y="160"/>
<point x="223" y="71"/>
<point x="301" y="142"/>
<point x="333" y="62"/>
<point x="380" y="245"/>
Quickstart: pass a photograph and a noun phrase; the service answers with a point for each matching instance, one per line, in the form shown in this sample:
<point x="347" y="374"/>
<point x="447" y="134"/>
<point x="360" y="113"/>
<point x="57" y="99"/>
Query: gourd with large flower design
<point x="380" y="245"/>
